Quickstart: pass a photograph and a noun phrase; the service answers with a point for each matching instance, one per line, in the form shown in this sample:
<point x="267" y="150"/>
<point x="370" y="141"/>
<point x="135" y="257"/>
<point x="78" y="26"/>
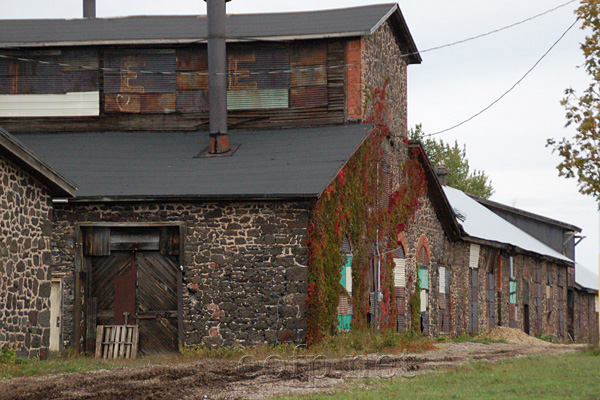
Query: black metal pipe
<point x="217" y="76"/>
<point x="89" y="8"/>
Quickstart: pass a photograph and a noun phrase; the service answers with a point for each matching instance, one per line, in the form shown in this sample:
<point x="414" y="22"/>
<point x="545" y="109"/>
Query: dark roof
<point x="441" y="205"/>
<point x="286" y="163"/>
<point x="16" y="152"/>
<point x="492" y="205"/>
<point x="348" y="22"/>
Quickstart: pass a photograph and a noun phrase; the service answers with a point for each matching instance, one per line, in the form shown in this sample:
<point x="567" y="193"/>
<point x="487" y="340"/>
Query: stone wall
<point x="426" y="230"/>
<point x="382" y="58"/>
<point x="245" y="275"/>
<point x="25" y="259"/>
<point x="585" y="318"/>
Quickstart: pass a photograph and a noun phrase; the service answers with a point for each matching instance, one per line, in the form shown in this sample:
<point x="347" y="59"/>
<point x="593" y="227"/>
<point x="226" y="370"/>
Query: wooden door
<point x="136" y="288"/>
<point x="491" y="300"/>
<point x="473" y="301"/>
<point x="105" y="273"/>
<point x="157" y="277"/>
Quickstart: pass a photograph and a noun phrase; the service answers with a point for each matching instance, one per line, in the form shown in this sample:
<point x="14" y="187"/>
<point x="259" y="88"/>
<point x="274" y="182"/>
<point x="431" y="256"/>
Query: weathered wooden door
<point x="473" y="301"/>
<point x="491" y="300"/>
<point x="156" y="310"/>
<point x="526" y="306"/>
<point x="137" y="288"/>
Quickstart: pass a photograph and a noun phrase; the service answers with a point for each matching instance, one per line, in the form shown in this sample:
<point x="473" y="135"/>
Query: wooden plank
<point x="96" y="241"/>
<point x="136" y="334"/>
<point x="99" y="340"/>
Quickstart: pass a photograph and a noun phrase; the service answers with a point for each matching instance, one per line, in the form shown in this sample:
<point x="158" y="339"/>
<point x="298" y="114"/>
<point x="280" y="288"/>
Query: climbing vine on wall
<point x="370" y="201"/>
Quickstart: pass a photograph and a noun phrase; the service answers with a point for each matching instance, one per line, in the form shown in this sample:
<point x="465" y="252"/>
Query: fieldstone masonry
<point x="548" y="284"/>
<point x="25" y="259"/>
<point x="245" y="274"/>
<point x="383" y="58"/>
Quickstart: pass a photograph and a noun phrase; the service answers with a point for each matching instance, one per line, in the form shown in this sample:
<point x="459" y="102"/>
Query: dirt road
<point x="255" y="379"/>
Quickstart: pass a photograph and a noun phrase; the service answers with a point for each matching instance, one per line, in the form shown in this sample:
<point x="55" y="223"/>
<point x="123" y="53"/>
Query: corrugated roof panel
<point x="480" y="222"/>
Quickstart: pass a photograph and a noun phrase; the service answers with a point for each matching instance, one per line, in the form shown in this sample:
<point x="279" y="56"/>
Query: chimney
<point x="441" y="173"/>
<point x="217" y="77"/>
<point x="89" y="8"/>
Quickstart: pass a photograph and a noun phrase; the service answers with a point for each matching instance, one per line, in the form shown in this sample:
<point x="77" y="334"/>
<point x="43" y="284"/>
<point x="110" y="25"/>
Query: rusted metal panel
<point x="308" y="96"/>
<point x="308" y="54"/>
<point x="308" y="77"/>
<point x="195" y="59"/>
<point x="49" y="74"/>
<point x="159" y="102"/>
<point x="192" y="100"/>
<point x="123" y="102"/>
<point x="192" y="81"/>
<point x="140" y="103"/>
<point x="140" y="71"/>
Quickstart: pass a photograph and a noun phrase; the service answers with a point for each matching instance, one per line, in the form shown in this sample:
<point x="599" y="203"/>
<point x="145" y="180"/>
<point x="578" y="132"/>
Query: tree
<point x="580" y="158"/>
<point x="454" y="158"/>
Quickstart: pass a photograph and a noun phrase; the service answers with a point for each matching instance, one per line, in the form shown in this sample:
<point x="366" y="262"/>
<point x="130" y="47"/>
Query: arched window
<point x="423" y="258"/>
<point x="400" y="286"/>
<point x="345" y="303"/>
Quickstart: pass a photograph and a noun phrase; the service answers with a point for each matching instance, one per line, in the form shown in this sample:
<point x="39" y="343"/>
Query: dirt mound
<point x="513" y="335"/>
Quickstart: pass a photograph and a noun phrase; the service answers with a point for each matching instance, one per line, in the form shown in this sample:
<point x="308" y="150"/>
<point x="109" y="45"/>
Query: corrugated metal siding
<point x="52" y="84"/>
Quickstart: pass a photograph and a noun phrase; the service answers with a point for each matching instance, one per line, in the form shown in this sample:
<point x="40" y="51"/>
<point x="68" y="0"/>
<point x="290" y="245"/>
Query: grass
<point x="568" y="376"/>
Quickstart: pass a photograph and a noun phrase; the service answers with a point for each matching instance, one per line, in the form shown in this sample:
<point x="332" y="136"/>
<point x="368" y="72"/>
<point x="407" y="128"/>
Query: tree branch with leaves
<point x="454" y="158"/>
<point x="580" y="154"/>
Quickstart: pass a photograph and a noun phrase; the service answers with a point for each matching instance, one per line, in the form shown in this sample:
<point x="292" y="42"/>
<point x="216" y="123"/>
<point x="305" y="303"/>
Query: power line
<point x="499" y="29"/>
<point x="509" y="90"/>
<point x="287" y="71"/>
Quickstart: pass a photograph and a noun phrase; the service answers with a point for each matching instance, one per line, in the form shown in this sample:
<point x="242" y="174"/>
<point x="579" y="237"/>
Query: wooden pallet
<point x="117" y="341"/>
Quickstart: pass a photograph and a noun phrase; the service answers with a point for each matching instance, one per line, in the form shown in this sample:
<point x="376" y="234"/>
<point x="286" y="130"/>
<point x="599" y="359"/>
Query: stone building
<point x="195" y="248"/>
<point x="480" y="271"/>
<point x="27" y="186"/>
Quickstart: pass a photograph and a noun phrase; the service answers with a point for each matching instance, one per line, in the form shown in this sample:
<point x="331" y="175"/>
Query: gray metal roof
<point x="357" y="21"/>
<point x="286" y="163"/>
<point x="16" y="152"/>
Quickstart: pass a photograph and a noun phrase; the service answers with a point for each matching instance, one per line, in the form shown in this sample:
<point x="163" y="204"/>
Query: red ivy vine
<point x="359" y="204"/>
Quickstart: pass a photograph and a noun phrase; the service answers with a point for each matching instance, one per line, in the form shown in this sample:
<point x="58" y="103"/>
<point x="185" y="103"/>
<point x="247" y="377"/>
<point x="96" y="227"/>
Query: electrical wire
<point x="509" y="90"/>
<point x="287" y="71"/>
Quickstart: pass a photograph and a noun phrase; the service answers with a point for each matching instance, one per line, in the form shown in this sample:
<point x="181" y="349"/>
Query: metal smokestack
<point x="217" y="77"/>
<point x="89" y="8"/>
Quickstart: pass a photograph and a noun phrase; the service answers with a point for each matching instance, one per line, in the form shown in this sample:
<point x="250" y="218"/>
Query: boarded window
<point x="400" y="287"/>
<point x="345" y="302"/>
<point x="474" y="256"/>
<point x="399" y="272"/>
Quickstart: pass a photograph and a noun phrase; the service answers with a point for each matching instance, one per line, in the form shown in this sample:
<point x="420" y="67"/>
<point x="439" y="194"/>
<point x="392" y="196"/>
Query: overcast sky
<point x="452" y="84"/>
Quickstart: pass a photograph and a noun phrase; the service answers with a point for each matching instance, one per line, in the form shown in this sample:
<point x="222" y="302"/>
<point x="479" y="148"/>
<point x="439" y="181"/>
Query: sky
<point x="508" y="141"/>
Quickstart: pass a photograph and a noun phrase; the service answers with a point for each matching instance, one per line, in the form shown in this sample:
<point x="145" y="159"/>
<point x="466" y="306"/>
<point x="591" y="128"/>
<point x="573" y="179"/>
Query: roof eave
<point x="440" y="202"/>
<point x="194" y="198"/>
<point x="516" y="250"/>
<point x="13" y="150"/>
<point x="541" y="218"/>
<point x="400" y="28"/>
<point x="128" y="42"/>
